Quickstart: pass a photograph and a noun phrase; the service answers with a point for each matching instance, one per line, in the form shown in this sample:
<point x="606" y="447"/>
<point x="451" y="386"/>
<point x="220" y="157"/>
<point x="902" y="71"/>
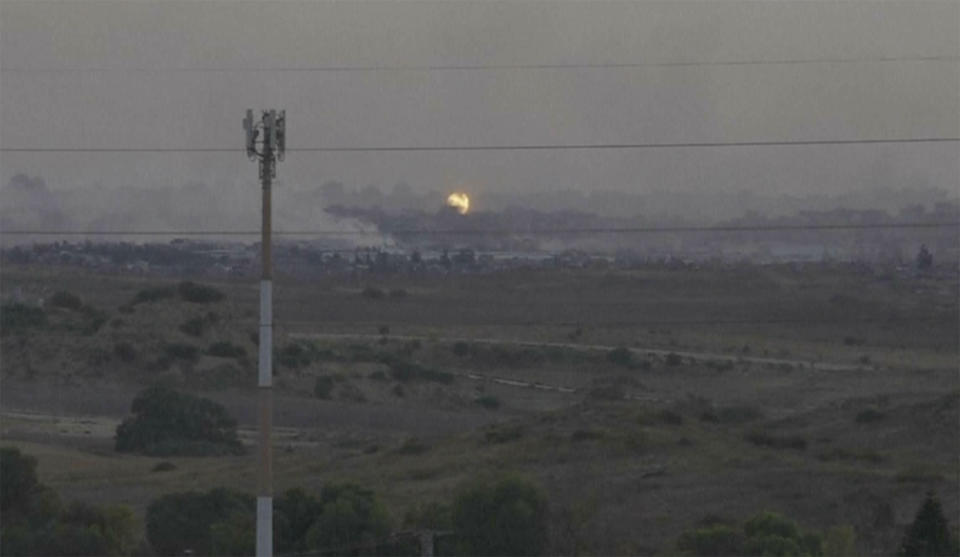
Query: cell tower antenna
<point x="271" y="129"/>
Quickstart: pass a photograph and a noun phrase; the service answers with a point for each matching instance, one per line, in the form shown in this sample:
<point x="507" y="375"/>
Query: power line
<point x="491" y="67"/>
<point x="505" y="147"/>
<point x="481" y="231"/>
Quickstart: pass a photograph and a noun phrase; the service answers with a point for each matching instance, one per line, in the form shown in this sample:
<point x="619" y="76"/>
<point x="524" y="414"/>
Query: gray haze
<point x="171" y="109"/>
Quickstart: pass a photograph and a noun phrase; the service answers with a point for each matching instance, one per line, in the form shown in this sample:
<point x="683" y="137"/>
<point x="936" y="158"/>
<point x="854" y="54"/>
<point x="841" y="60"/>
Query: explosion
<point x="459" y="201"/>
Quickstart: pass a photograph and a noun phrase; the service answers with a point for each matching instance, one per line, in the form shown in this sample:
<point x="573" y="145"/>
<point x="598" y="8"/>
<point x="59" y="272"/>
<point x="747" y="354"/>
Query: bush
<point x="225" y="349"/>
<point x="165" y="422"/>
<point x="762" y="439"/>
<point x="673" y="359"/>
<point x="181" y="351"/>
<point x="870" y="415"/>
<point x="153" y="295"/>
<point x="192" y="327"/>
<point x="66" y="300"/>
<point x="181" y="521"/>
<point x="18" y="480"/>
<point x="343" y="515"/>
<point x="17" y="317"/>
<point x="489" y="402"/>
<point x="502" y="433"/>
<point x="372" y="293"/>
<point x="293" y="356"/>
<point x="505" y="517"/>
<point x="164" y="466"/>
<point x="323" y="387"/>
<point x="621" y="356"/>
<point x="764" y="534"/>
<point x="398" y="293"/>
<point x="412" y="446"/>
<point x="461" y="349"/>
<point x="199" y="293"/>
<point x="405" y="371"/>
<point x="720" y="540"/>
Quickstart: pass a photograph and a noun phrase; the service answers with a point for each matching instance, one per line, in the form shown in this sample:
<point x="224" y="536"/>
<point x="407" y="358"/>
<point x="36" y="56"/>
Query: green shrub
<point x="66" y="300"/>
<point x="738" y="414"/>
<point x="199" y="293"/>
<point x="762" y="439"/>
<point x="461" y="349"/>
<point x="719" y="540"/>
<point x="293" y="356"/>
<point x="502" y="433"/>
<point x="587" y="435"/>
<point x="166" y="422"/>
<point x="164" y="466"/>
<point x="398" y="293"/>
<point x="226" y="349"/>
<point x="869" y="415"/>
<point x="673" y="359"/>
<point x="405" y="371"/>
<point x="153" y="295"/>
<point x="180" y="521"/>
<point x="192" y="327"/>
<point x="412" y="446"/>
<point x="670" y="417"/>
<point x="179" y="350"/>
<point x="621" y="356"/>
<point x="323" y="386"/>
<point x="489" y="402"/>
<point x="929" y="534"/>
<point x="372" y="293"/>
<point x="505" y="517"/>
<point x="19" y="317"/>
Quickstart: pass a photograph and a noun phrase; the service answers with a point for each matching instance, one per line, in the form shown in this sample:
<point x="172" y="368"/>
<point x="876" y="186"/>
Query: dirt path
<point x="700" y="356"/>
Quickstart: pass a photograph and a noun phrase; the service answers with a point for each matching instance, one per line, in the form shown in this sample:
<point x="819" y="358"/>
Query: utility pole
<point x="272" y="146"/>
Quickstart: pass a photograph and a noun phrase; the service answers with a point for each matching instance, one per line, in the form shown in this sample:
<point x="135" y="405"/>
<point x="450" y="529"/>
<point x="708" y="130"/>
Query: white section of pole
<point x="264" y="526"/>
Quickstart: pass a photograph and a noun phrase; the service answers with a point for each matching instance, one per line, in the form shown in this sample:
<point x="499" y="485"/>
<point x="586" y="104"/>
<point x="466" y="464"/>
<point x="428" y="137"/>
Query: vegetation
<point x="504" y="517"/>
<point x="66" y="300"/>
<point x="199" y="293"/>
<point x="489" y="402"/>
<point x="192" y="327"/>
<point x="15" y="318"/>
<point x="621" y="356"/>
<point x="149" y="295"/>
<point x="179" y="350"/>
<point x="36" y="523"/>
<point x="929" y="534"/>
<point x="226" y="349"/>
<point x="766" y="533"/>
<point x="165" y="422"/>
<point x="323" y="386"/>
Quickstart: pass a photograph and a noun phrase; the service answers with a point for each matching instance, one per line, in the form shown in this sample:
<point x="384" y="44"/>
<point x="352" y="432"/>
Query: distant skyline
<point x="131" y="106"/>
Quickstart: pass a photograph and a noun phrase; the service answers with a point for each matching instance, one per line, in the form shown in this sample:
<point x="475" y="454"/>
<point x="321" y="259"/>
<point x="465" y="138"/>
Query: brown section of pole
<point x="267" y="256"/>
<point x="265" y="392"/>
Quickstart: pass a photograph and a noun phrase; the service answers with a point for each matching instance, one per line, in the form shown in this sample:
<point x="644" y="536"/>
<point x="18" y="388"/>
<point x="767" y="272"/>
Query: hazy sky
<point x="100" y="105"/>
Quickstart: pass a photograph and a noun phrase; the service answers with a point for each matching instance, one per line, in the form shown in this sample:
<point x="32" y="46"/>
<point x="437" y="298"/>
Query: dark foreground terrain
<point x="643" y="402"/>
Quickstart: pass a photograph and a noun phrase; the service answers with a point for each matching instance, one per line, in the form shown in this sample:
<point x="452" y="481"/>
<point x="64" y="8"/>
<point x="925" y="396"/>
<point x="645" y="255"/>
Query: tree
<point x="506" y="517"/>
<point x="167" y="422"/>
<point x="929" y="534"/>
<point x="181" y="521"/>
<point x="18" y="480"/>
<point x="924" y="258"/>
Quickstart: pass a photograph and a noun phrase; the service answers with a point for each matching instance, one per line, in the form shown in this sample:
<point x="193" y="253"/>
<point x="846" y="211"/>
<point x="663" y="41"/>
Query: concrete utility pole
<point x="272" y="146"/>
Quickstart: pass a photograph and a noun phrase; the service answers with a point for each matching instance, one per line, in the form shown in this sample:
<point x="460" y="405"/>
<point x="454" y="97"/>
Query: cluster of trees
<point x="36" y="522"/>
<point x="166" y="422"/>
<point x="770" y="534"/>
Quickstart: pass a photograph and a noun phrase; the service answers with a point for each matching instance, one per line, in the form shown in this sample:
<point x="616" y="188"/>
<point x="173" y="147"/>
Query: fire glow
<point x="459" y="201"/>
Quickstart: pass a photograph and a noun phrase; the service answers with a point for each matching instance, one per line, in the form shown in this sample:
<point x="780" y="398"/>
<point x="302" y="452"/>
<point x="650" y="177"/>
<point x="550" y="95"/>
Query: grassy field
<point x="827" y="393"/>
